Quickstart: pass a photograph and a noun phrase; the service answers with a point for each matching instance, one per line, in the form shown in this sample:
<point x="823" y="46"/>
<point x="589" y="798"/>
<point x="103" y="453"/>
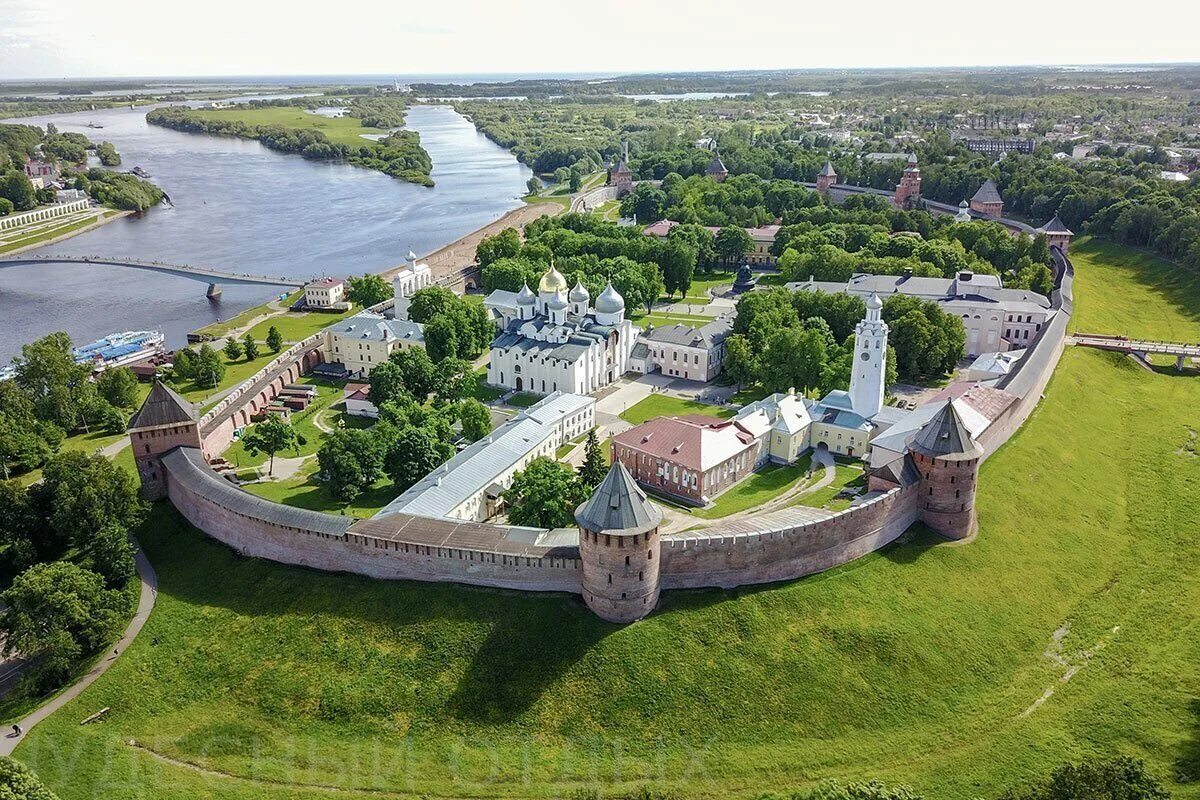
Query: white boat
<point x="119" y="349"/>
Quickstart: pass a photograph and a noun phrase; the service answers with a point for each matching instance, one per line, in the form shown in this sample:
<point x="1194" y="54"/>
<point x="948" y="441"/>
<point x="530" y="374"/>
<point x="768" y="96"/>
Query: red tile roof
<point x="695" y="441"/>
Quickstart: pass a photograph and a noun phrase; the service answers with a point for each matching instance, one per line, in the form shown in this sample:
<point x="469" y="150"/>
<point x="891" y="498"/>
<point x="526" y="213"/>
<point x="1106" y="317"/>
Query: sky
<point x="146" y="38"/>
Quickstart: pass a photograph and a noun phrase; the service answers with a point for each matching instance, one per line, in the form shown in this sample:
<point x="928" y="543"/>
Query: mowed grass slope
<point x="922" y="664"/>
<point x="342" y="130"/>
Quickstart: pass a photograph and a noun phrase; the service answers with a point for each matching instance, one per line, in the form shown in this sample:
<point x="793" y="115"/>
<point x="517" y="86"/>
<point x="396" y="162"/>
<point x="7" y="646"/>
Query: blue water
<point x="246" y="209"/>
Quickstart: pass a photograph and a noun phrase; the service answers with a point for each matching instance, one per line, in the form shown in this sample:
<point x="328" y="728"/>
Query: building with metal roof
<point x="469" y="486"/>
<point x="367" y="339"/>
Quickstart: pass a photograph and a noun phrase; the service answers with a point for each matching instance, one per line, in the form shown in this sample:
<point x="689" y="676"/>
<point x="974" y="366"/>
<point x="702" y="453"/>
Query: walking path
<point x="149" y="580"/>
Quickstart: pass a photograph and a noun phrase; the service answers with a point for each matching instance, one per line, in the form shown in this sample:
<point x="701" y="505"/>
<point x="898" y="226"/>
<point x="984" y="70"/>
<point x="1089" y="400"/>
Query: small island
<point x="290" y="128"/>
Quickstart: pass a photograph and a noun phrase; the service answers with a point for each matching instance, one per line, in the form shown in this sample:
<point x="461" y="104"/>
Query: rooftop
<point x="695" y="441"/>
<point x="371" y="327"/>
<point x="618" y="504"/>
<point x="163" y="406"/>
<point x="472" y="469"/>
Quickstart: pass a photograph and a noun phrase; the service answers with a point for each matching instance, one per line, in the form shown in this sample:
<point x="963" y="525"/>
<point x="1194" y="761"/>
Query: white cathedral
<point x="556" y="341"/>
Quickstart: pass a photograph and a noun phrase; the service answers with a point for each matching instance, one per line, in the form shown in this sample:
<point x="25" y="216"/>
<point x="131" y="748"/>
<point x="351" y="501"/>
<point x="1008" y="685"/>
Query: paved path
<point x="149" y="593"/>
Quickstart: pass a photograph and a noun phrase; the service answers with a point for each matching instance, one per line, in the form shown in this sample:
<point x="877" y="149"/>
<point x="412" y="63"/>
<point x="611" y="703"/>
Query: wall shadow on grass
<point x="1187" y="766"/>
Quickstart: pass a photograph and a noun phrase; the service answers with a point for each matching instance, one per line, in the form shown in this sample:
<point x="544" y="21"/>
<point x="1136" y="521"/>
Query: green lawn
<point x="827" y="496"/>
<point x="235" y="373"/>
<point x="342" y="130"/>
<point x="303" y="490"/>
<point x="1124" y="291"/>
<point x="769" y="482"/>
<point x="658" y="319"/>
<point x="219" y="330"/>
<point x="43" y="233"/>
<point x="305" y="424"/>
<point x="662" y="405"/>
<point x="524" y="399"/>
<point x="921" y="664"/>
<point x="297" y="326"/>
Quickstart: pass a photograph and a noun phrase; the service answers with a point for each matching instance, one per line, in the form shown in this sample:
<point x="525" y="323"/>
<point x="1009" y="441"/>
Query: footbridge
<point x="215" y="278"/>
<point x="1139" y="348"/>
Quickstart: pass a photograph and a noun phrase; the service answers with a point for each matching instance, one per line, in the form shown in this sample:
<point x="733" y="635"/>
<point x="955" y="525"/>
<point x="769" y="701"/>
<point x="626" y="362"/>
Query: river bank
<point x="65" y="229"/>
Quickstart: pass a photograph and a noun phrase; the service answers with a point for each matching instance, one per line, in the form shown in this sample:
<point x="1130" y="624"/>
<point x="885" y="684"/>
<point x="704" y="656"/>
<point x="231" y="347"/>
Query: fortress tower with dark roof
<point x="165" y="421"/>
<point x="826" y="178"/>
<point x="619" y="548"/>
<point x="908" y="191"/>
<point x="947" y="457"/>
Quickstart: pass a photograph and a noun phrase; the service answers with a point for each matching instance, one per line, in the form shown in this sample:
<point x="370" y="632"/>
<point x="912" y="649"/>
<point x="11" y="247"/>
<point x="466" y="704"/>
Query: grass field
<point x="662" y="405"/>
<point x="1124" y="291"/>
<point x="938" y="665"/>
<point x="342" y="130"/>
<point x="15" y="240"/>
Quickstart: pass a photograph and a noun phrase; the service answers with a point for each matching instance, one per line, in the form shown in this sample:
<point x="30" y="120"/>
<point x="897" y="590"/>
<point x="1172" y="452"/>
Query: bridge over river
<point x="215" y="278"/>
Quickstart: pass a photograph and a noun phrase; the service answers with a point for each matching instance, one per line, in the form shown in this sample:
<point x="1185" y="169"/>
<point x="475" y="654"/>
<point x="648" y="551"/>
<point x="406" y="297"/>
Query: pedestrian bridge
<point x="215" y="278"/>
<point x="1141" y="348"/>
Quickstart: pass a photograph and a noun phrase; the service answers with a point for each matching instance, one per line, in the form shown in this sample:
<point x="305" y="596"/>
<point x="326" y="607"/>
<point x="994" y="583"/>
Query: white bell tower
<point x="870" y="361"/>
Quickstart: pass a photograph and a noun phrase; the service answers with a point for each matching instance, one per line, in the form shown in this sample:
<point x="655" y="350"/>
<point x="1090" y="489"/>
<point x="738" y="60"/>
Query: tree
<point x="414" y="454"/>
<point x="369" y="290"/>
<point x="17" y="189"/>
<point x="119" y="386"/>
<point x="454" y="378"/>
<point x="533" y="185"/>
<point x="209" y="369"/>
<point x="441" y="338"/>
<point x="387" y="382"/>
<point x="505" y="244"/>
<point x="270" y="436"/>
<point x="732" y="244"/>
<point x="431" y="302"/>
<point x="17" y="782"/>
<point x="576" y="180"/>
<point x="112" y="556"/>
<point x="741" y="364"/>
<point x="593" y="469"/>
<point x="109" y="418"/>
<point x="646" y="201"/>
<point x="351" y="461"/>
<point x="475" y="419"/>
<point x="232" y="349"/>
<point x="417" y="371"/>
<point x="86" y="493"/>
<point x="274" y="339"/>
<point x="678" y="264"/>
<point x="795" y="358"/>
<point x="183" y="364"/>
<point x="47" y="373"/>
<point x="57" y="613"/>
<point x="1120" y="778"/>
<point x="249" y="347"/>
<point x="543" y="495"/>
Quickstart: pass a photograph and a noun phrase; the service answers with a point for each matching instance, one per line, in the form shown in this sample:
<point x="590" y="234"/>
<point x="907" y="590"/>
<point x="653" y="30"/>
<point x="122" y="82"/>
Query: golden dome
<point x="553" y="281"/>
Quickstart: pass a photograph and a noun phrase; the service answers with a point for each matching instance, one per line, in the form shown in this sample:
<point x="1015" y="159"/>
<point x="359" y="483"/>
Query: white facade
<point x="694" y="353"/>
<point x="555" y="341"/>
<point x="409" y="280"/>
<point x="870" y="361"/>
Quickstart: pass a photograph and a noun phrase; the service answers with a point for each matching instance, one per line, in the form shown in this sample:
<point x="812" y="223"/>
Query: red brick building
<point x="692" y="458"/>
<point x="987" y="200"/>
<point x="908" y="191"/>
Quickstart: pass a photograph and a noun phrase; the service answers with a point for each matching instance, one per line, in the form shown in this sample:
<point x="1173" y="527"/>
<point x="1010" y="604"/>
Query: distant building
<point x="996" y="319"/>
<point x="365" y="340"/>
<point x="908" y="191"/>
<point x="991" y="366"/>
<point x="996" y="147"/>
<point x="716" y="169"/>
<point x="409" y="280"/>
<point x="621" y="175"/>
<point x="470" y="486"/>
<point x="70" y="195"/>
<point x="325" y="293"/>
<point x="964" y="212"/>
<point x="694" y="353"/>
<point x="826" y="177"/>
<point x="763" y="237"/>
<point x="887" y="157"/>
<point x="987" y="200"/>
<point x="40" y="173"/>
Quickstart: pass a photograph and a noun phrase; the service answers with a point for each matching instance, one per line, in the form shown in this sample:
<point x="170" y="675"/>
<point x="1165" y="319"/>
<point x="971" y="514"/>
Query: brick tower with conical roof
<point x="908" y="191"/>
<point x="619" y="548"/>
<point x="947" y="456"/>
<point x="165" y="421"/>
<point x="826" y="178"/>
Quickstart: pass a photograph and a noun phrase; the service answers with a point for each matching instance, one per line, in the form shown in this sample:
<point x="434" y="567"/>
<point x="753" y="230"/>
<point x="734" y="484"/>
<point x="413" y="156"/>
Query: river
<point x="243" y="208"/>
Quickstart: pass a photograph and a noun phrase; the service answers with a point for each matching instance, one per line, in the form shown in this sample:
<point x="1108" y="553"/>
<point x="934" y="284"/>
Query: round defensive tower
<point x="948" y="458"/>
<point x="619" y="548"/>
